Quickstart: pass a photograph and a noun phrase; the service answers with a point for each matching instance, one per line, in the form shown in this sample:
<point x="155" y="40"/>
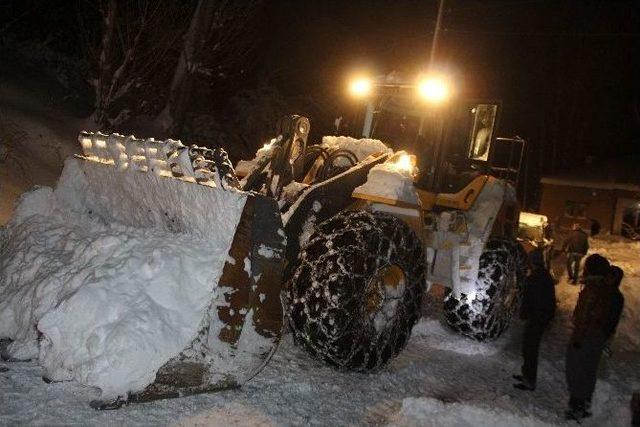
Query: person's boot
<point x="525" y="386"/>
<point x="635" y="409"/>
<point x="577" y="411"/>
<point x="577" y="414"/>
<point x="523" y="383"/>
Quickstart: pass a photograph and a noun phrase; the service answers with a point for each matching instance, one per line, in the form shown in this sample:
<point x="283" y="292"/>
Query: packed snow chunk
<point x="268" y="252"/>
<point x="392" y="180"/>
<point x="361" y="148"/>
<point x="291" y="192"/>
<point x="135" y="300"/>
<point x="425" y="411"/>
<point x="244" y="168"/>
<point x="107" y="279"/>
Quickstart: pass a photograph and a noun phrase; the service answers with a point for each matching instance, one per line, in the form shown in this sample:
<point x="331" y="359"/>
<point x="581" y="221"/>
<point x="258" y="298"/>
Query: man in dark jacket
<point x="591" y="320"/>
<point x="538" y="309"/>
<point x="576" y="246"/>
<point x="614" y="279"/>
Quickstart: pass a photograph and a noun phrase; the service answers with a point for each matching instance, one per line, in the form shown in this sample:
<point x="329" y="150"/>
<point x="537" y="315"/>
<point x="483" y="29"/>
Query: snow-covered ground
<point x="440" y="379"/>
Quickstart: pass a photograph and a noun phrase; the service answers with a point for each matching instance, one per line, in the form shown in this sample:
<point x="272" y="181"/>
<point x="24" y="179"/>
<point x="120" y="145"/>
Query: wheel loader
<point x="340" y="240"/>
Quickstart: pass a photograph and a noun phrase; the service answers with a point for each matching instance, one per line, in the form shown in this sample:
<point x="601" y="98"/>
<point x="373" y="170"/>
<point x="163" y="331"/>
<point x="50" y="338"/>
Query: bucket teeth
<point x="169" y="158"/>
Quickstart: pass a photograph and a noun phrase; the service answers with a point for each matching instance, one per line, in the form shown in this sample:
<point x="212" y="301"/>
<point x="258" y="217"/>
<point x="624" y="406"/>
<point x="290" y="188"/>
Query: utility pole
<point x="433" y="124"/>
<point x="436" y="33"/>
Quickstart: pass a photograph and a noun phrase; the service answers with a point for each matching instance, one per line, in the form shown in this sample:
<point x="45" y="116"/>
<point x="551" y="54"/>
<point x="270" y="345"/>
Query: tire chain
<point x="485" y="316"/>
<point x="325" y="297"/>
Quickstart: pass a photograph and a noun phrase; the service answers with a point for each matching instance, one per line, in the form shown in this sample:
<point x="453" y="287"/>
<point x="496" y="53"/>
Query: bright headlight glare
<point x="405" y="163"/>
<point x="433" y="89"/>
<point x="361" y="87"/>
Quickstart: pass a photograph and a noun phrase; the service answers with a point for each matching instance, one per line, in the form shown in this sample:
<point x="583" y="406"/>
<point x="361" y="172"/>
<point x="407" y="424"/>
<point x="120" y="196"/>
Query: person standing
<point x="538" y="309"/>
<point x="576" y="247"/>
<point x="614" y="279"/>
<point x="590" y="320"/>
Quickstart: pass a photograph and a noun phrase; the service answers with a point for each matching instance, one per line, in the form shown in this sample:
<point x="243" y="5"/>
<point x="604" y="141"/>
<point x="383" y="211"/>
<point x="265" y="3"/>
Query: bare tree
<point x="217" y="42"/>
<point x="137" y="40"/>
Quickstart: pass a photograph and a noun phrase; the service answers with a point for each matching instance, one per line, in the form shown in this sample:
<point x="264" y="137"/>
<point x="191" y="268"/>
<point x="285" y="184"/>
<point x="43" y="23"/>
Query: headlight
<point x="361" y="87"/>
<point x="405" y="163"/>
<point x="433" y="89"/>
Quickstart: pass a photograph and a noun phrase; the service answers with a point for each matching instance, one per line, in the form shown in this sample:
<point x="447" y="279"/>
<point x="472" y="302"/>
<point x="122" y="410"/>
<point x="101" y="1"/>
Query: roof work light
<point x="361" y="87"/>
<point x="434" y="89"/>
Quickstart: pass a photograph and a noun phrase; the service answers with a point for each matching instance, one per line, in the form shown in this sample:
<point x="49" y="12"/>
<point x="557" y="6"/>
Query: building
<point x="612" y="204"/>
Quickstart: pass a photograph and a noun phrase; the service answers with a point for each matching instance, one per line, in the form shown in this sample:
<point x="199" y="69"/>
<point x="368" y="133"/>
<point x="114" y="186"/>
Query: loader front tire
<point x="484" y="315"/>
<point x="356" y="291"/>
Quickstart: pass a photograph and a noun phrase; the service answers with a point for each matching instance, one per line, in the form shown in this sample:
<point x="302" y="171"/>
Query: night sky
<point x="567" y="72"/>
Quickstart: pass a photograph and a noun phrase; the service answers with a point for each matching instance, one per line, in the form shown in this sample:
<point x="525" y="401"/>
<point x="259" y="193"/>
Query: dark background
<point x="567" y="72"/>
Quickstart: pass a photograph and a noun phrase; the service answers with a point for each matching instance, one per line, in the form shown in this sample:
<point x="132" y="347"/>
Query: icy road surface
<point x="440" y="379"/>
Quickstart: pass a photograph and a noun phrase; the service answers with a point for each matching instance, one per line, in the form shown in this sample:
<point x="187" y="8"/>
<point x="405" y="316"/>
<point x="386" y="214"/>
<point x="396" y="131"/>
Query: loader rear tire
<point x="499" y="288"/>
<point x="356" y="291"/>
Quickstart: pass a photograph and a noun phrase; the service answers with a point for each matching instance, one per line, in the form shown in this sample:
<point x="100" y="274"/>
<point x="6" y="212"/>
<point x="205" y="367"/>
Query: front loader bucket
<point x="243" y="326"/>
<point x="146" y="272"/>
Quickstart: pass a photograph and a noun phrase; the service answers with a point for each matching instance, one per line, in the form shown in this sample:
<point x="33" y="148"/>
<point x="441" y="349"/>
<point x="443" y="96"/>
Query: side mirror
<point x="483" y="118"/>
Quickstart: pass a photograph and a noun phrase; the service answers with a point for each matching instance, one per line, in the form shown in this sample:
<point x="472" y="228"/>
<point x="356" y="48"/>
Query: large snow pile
<point x="106" y="286"/>
<point x="427" y="411"/>
<point x="362" y="148"/>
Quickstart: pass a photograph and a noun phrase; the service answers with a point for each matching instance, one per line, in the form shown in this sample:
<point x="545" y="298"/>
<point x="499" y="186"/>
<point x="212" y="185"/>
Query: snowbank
<point x="105" y="280"/>
<point x="427" y="411"/>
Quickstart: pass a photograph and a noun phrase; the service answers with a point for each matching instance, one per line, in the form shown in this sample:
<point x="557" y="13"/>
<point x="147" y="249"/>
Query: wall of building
<point x="604" y="205"/>
<point x="600" y="203"/>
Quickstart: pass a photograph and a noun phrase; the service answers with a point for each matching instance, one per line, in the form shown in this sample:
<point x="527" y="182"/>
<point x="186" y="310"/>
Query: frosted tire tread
<point x="328" y="297"/>
<point x="499" y="290"/>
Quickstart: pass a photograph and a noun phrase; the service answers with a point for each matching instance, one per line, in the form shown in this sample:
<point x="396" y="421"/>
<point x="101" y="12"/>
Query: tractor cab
<point x="454" y="142"/>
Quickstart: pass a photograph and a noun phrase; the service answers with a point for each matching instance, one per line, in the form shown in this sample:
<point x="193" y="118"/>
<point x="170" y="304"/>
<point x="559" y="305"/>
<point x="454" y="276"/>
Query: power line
<point x="436" y="33"/>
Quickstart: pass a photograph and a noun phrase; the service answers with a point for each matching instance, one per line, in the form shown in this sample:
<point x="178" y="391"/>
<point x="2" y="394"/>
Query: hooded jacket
<point x="592" y="317"/>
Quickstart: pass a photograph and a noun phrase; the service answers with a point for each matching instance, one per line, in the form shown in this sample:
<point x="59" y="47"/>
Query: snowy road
<point x="440" y="379"/>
